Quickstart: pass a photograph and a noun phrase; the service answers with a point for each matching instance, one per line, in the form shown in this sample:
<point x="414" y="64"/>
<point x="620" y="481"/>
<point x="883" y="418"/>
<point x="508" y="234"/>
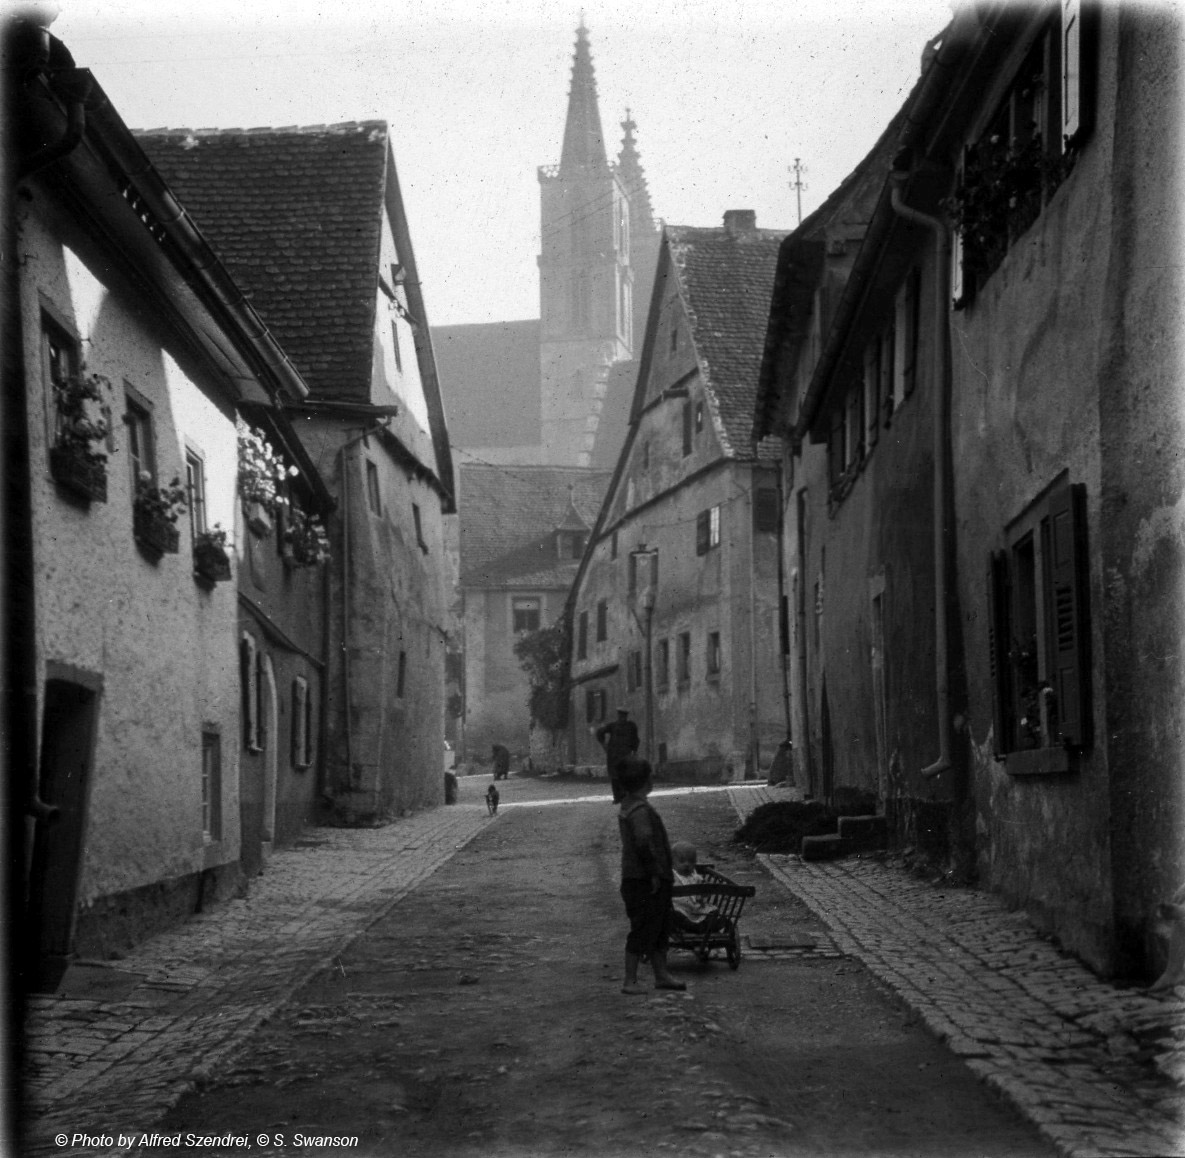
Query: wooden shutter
<point x="1069" y="665"/>
<point x="703" y="531"/>
<point x="1078" y="71"/>
<point x="247" y="682"/>
<point x="687" y="420"/>
<point x="300" y="707"/>
<point x="999" y="632"/>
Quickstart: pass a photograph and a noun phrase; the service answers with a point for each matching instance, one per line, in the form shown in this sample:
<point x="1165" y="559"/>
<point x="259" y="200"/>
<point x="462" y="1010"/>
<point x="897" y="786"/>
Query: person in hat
<point x="619" y="738"/>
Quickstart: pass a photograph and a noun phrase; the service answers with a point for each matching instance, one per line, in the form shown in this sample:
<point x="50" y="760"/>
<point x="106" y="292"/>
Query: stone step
<point x="863" y="833"/>
<point x="826" y="847"/>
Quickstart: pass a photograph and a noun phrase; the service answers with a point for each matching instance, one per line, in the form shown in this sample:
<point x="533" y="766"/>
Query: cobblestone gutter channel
<point x="1100" y="1070"/>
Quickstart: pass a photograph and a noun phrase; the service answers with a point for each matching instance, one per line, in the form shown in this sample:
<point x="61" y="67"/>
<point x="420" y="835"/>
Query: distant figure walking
<point x="619" y="738"/>
<point x="501" y="762"/>
<point x="492" y="799"/>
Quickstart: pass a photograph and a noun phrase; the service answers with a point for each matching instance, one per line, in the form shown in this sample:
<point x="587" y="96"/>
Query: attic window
<point x="570" y="544"/>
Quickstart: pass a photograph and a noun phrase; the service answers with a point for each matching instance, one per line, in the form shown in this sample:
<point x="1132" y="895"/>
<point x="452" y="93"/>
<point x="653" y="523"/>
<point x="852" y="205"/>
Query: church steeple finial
<point x="629" y="167"/>
<point x="584" y="143"/>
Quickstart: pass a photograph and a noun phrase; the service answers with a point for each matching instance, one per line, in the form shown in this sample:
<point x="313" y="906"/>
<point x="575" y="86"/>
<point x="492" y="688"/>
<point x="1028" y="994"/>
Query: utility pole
<point x="798" y="185"/>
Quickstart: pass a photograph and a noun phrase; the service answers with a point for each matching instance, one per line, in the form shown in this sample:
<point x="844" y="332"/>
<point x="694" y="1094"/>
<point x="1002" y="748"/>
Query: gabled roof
<point x="489" y="375"/>
<point x="725" y="277"/>
<point x="509" y="516"/>
<point x="296" y="214"/>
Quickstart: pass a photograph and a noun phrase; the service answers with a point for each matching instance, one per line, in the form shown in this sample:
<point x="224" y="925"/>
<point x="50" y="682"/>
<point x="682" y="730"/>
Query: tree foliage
<point x="544" y="657"/>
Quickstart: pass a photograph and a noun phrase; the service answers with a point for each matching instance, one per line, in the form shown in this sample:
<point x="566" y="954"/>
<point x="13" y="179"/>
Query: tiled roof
<point x="296" y="215"/>
<point x="508" y="519"/>
<point x="489" y="378"/>
<point x="727" y="277"/>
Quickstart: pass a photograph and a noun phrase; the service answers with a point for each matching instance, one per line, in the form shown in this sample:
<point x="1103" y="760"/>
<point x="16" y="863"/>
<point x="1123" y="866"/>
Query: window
<point x="373" y="494"/>
<point x="602" y="621"/>
<point x="62" y="362"/>
<point x="683" y="658"/>
<point x="569" y="544"/>
<point x="713" y="654"/>
<point x="417" y="518"/>
<point x="395" y="346"/>
<point x="302" y="724"/>
<point x="195" y="486"/>
<point x="581" y="302"/>
<point x="401" y="676"/>
<point x="687" y="428"/>
<point x="1027" y="148"/>
<point x="525" y="612"/>
<point x="765" y="510"/>
<point x="582" y="636"/>
<point x="211" y="783"/>
<point x="707" y="530"/>
<point x="594" y="705"/>
<point x="1038" y="634"/>
<point x="699" y="417"/>
<point x="633" y="671"/>
<point x="141" y="443"/>
<point x="249" y="688"/>
<point x="646" y="456"/>
<point x="613" y="546"/>
<point x="674" y="340"/>
<point x="663" y="664"/>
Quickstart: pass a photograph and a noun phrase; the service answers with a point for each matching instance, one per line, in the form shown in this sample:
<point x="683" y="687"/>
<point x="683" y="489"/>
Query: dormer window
<point x="570" y="544"/>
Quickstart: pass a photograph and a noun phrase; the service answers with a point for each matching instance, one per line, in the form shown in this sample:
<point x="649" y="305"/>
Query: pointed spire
<point x="584" y="144"/>
<point x="629" y="167"/>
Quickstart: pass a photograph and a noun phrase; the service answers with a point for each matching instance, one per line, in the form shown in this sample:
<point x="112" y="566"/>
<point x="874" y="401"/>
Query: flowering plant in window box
<point x="155" y="511"/>
<point x="211" y="559"/>
<point x="74" y="462"/>
<point x="305" y="541"/>
<point x="262" y="475"/>
<point x="999" y="195"/>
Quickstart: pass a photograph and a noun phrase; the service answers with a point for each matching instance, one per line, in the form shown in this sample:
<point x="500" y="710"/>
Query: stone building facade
<point x="674" y="612"/>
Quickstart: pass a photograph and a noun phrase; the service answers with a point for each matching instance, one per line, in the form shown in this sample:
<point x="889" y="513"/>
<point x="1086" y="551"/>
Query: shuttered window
<point x="1038" y="630"/>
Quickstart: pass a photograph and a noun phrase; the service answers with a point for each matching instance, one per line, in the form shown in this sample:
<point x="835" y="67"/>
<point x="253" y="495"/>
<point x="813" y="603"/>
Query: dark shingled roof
<point x="727" y="277"/>
<point x="489" y="377"/>
<point x="509" y="516"/>
<point x="296" y="215"/>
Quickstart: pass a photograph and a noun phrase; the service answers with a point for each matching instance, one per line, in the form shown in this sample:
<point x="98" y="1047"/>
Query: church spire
<point x="629" y="168"/>
<point x="584" y="144"/>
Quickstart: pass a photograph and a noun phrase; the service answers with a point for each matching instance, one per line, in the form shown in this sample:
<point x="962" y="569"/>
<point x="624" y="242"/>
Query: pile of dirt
<point x="780" y="825"/>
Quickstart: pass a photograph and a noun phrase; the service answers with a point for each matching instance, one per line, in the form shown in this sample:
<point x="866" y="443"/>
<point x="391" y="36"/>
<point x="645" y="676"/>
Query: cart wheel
<point x="733" y="949"/>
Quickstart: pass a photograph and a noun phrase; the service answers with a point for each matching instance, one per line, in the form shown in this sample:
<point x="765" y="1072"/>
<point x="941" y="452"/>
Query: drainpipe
<point x="942" y="482"/>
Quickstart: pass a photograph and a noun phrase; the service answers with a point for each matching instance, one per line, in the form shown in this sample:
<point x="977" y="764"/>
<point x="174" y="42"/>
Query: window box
<point x="210" y="561"/>
<point x="78" y="474"/>
<point x="259" y="518"/>
<point x="155" y="535"/>
<point x="155" y="511"/>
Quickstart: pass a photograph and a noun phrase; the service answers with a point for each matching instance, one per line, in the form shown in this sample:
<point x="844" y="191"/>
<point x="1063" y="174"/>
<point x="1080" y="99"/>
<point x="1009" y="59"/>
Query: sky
<point x="726" y="95"/>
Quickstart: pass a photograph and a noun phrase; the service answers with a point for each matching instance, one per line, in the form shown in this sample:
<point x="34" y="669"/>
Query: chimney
<point x="738" y="221"/>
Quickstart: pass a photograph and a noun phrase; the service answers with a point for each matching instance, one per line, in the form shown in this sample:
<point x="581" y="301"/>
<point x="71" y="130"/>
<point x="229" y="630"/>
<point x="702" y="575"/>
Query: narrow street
<point x="481" y="1015"/>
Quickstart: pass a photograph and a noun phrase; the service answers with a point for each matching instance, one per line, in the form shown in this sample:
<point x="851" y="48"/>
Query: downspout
<point x="783" y="610"/>
<point x="942" y="482"/>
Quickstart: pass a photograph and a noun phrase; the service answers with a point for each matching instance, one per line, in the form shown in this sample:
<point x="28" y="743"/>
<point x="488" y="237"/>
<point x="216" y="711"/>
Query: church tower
<point x="588" y="317"/>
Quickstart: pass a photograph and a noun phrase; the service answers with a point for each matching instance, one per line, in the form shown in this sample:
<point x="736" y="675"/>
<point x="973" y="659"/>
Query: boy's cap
<point x="623" y="711"/>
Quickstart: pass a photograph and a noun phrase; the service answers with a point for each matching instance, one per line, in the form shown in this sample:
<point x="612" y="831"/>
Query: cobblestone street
<point x="1095" y="1067"/>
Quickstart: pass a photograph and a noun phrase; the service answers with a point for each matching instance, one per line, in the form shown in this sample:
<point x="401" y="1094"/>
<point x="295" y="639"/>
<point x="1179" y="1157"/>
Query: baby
<point x="691" y="914"/>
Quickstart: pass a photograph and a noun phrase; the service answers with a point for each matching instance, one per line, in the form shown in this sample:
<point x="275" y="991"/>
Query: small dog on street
<point x="492" y="798"/>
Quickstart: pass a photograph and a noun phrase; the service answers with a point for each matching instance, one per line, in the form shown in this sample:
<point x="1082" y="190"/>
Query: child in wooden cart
<point x="692" y="914"/>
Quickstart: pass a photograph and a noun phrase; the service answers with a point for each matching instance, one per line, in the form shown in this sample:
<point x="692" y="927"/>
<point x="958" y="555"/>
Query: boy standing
<point x="645" y="879"/>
